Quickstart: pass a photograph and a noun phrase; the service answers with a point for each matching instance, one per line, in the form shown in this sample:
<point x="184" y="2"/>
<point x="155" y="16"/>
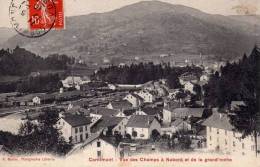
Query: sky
<point x="82" y="7"/>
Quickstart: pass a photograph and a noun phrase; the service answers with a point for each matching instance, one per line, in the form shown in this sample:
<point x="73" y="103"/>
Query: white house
<point x="173" y="113"/>
<point x="97" y="146"/>
<point x="176" y="126"/>
<point x="222" y="137"/>
<point x="188" y="86"/>
<point x="142" y="126"/>
<point x="98" y="112"/>
<point x="72" y="81"/>
<point x="146" y="96"/>
<point x="74" y="128"/>
<point x="110" y="125"/>
<point x="120" y="105"/>
<point x="134" y="99"/>
<point x="187" y="77"/>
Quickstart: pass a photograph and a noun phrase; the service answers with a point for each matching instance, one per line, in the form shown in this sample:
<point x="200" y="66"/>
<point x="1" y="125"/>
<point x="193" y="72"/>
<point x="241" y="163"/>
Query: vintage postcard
<point x="158" y="83"/>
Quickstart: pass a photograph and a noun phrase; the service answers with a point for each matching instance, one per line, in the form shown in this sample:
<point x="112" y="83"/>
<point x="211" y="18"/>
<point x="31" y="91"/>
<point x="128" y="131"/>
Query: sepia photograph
<point x="158" y="83"/>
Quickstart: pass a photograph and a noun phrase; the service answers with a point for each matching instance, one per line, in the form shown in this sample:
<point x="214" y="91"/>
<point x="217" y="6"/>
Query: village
<point x="122" y="120"/>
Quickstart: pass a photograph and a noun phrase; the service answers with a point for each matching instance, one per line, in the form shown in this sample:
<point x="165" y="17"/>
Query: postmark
<point x="35" y="18"/>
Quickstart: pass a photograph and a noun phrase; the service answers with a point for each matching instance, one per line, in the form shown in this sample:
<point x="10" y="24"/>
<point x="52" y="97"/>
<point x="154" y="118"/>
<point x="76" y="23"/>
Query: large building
<point x="222" y="137"/>
<point x="142" y="126"/>
<point x="75" y="128"/>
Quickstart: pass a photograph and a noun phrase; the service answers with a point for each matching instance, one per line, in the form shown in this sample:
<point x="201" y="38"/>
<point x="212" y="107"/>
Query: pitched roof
<point x="121" y="105"/>
<point x="185" y="112"/>
<point x="129" y="112"/>
<point x="77" y="120"/>
<point x="218" y="120"/>
<point x="140" y="121"/>
<point x="106" y="122"/>
<point x="177" y="122"/>
<point x="151" y="110"/>
<point x="104" y="111"/>
<point x="137" y="96"/>
<point x="68" y="94"/>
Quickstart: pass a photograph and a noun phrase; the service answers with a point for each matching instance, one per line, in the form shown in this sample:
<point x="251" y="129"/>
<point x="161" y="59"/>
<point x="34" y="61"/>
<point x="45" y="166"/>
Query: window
<point x="76" y="130"/>
<point x="234" y="134"/>
<point x="98" y="154"/>
<point x="86" y="135"/>
<point x="86" y="128"/>
<point x="253" y="148"/>
<point x="141" y="135"/>
<point x="217" y="131"/>
<point x="243" y="145"/>
<point x="234" y="144"/>
<point x="98" y="144"/>
<point x="225" y="141"/>
<point x="119" y="127"/>
<point x="209" y="137"/>
<point x="76" y="139"/>
<point x="81" y="129"/>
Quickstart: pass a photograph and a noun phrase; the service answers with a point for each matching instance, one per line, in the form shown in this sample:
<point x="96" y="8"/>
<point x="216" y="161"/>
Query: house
<point x="43" y="99"/>
<point x="151" y="111"/>
<point x="167" y="111"/>
<point x="177" y="125"/>
<point x="74" y="128"/>
<point x="72" y="81"/>
<point x="235" y="105"/>
<point x="120" y="105"/>
<point x="188" y="86"/>
<point x="75" y="109"/>
<point x="99" y="112"/>
<point x="180" y="125"/>
<point x="26" y="100"/>
<point x="110" y="125"/>
<point x="187" y="113"/>
<point x="4" y="150"/>
<point x="222" y="137"/>
<point x="142" y="126"/>
<point x="146" y="96"/>
<point x="173" y="113"/>
<point x="98" y="146"/>
<point x="134" y="99"/>
<point x="188" y="77"/>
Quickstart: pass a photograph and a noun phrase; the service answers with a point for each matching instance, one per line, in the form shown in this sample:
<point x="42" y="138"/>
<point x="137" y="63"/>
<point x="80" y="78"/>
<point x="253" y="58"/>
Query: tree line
<point x="144" y="72"/>
<point x="20" y="62"/>
<point x="237" y="81"/>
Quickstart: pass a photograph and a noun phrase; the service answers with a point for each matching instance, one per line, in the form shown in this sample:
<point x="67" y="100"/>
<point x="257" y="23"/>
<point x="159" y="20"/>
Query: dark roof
<point x="172" y="105"/>
<point x="177" y="122"/>
<point x="104" y="111"/>
<point x="4" y="150"/>
<point x="129" y="112"/>
<point x="69" y="94"/>
<point x="151" y="110"/>
<point x="186" y="112"/>
<point x="218" y="120"/>
<point x="78" y="109"/>
<point x="77" y="120"/>
<point x="111" y="140"/>
<point x="140" y="121"/>
<point x="121" y="105"/>
<point x="137" y="96"/>
<point x="106" y="122"/>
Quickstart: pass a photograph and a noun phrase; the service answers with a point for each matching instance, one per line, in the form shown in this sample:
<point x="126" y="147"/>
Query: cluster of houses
<point x="138" y="114"/>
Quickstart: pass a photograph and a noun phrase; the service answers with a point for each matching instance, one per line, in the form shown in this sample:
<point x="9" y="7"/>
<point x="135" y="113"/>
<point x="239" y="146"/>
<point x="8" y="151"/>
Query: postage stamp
<point x="35" y="18"/>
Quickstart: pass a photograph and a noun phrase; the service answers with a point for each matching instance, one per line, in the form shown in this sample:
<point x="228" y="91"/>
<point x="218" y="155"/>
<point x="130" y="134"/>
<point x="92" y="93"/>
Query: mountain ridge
<point x="143" y="29"/>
